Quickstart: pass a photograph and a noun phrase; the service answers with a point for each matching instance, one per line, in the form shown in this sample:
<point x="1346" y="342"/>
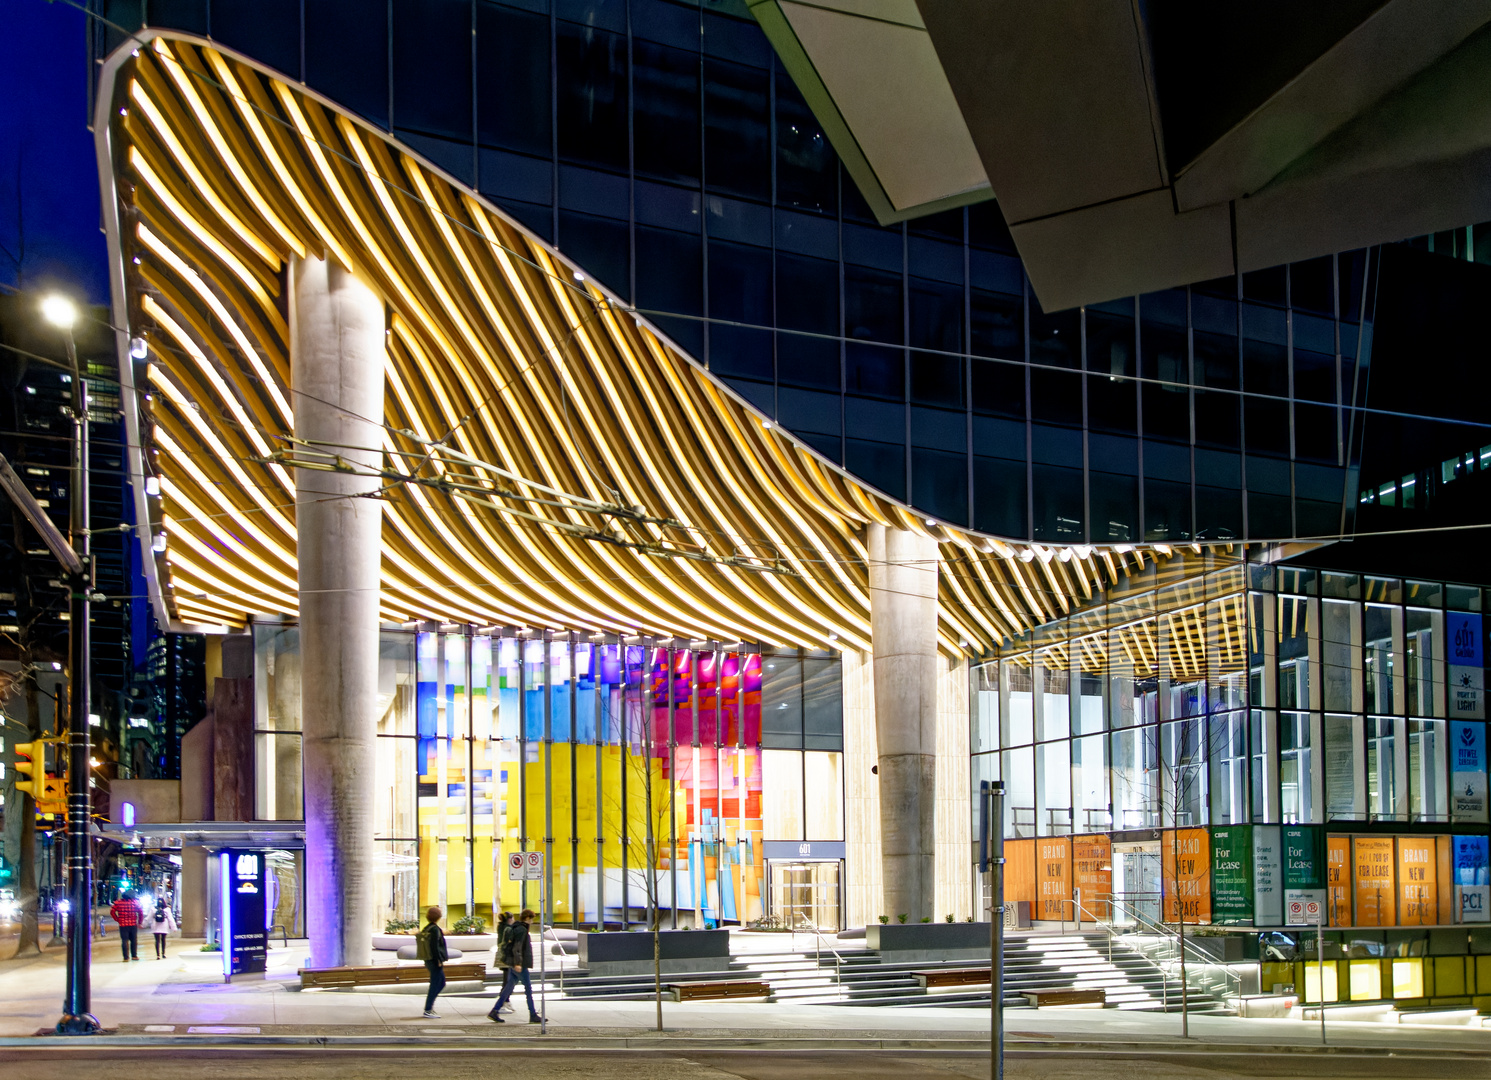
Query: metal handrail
<point x="818" y="957"/>
<point x="1162" y="930"/>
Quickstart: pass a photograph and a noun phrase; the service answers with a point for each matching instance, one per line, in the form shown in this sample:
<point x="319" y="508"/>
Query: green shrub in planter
<point x="400" y="926"/>
<point x="884" y="919"/>
<point x="469" y="924"/>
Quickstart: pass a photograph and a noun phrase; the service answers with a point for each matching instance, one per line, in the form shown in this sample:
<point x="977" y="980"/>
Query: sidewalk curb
<point x="685" y="1043"/>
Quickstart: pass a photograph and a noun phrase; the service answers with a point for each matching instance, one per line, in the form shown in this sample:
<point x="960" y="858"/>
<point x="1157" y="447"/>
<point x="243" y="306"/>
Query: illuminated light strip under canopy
<point x="220" y="171"/>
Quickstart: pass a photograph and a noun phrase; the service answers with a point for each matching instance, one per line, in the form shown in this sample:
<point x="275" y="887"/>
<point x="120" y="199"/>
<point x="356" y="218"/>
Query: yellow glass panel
<point x="1366" y="980"/>
<point x="1449" y="976"/>
<point x="1276" y="973"/>
<point x="1408" y="978"/>
<point x="1313" y="973"/>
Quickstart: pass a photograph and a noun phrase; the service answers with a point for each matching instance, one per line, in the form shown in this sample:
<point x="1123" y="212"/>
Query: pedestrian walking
<point x="430" y="947"/>
<point x="162" y="925"/>
<point x="519" y="956"/>
<point x="504" y="925"/>
<point x="126" y="911"/>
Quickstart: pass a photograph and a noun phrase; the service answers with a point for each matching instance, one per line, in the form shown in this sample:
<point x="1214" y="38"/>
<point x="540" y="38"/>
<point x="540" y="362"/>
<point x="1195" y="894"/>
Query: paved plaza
<point x="179" y="1000"/>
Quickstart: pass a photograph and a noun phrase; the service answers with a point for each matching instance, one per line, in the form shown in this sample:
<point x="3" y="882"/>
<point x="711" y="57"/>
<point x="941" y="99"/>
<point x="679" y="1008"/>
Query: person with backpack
<point x="163" y="925"/>
<point x="430" y="947"/>
<point x="518" y="953"/>
<point x="504" y="924"/>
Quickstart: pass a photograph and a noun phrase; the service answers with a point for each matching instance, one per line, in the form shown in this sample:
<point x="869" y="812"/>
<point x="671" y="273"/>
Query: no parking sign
<point x="525" y="866"/>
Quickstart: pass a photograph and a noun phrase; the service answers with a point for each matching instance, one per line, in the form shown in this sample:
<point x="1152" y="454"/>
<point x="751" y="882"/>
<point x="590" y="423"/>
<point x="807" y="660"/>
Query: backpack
<point x="422" y="944"/>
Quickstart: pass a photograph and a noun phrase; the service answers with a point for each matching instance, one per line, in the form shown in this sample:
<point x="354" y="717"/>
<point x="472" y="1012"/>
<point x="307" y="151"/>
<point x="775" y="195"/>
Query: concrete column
<point x="903" y="633"/>
<point x="336" y="374"/>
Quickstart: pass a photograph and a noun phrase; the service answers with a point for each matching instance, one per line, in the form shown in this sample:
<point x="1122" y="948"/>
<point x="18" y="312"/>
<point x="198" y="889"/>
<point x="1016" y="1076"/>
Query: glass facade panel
<point x="1244" y="696"/>
<point x="511" y="97"/>
<point x="489" y="745"/>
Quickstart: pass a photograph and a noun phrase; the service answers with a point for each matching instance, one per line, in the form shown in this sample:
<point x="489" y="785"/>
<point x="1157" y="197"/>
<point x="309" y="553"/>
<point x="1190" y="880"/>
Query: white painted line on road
<point x="160" y="1029"/>
<point x="221" y="1029"/>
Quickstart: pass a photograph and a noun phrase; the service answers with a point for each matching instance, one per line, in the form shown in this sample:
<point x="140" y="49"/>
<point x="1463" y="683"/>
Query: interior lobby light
<point x="138" y="350"/>
<point x="59" y="311"/>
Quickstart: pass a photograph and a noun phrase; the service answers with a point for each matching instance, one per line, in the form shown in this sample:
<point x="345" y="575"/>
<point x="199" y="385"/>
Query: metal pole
<point x="1320" y="959"/>
<point x="996" y="931"/>
<point x="543" y="906"/>
<point x="77" y="1016"/>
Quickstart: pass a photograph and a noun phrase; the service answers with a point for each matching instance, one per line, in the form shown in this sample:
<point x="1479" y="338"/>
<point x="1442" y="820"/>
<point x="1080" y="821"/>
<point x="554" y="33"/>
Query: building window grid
<point x="1291" y="755"/>
<point x="1196" y="521"/>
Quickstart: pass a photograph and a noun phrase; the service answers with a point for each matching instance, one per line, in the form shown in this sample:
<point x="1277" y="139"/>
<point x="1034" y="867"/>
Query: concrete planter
<point x="916" y="943"/>
<point x="624" y="953"/>
<point x="467" y="943"/>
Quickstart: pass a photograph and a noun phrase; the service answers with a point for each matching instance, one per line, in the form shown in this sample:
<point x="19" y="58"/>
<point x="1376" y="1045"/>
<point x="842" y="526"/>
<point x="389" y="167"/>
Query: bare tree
<point x="637" y="755"/>
<point x="22" y="684"/>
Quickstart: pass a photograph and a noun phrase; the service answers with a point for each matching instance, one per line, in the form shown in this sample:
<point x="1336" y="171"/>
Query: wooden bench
<point x="951" y="977"/>
<point x="1044" y="998"/>
<point x="704" y="991"/>
<point x="385" y="975"/>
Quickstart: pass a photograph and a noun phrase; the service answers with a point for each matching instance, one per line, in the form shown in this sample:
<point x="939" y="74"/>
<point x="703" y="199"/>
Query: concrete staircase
<point x="856" y="976"/>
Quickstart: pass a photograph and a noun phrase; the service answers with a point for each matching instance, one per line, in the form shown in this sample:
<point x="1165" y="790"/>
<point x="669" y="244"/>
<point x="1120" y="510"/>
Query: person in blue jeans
<point x="430" y="947"/>
<point x="517" y="953"/>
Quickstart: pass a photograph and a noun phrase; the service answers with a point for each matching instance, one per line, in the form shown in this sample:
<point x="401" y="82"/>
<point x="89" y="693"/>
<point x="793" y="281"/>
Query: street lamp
<point x="59" y="311"/>
<point x="77" y="1016"/>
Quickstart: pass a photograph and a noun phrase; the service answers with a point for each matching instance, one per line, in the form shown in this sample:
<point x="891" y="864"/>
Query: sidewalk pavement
<point x="161" y="1001"/>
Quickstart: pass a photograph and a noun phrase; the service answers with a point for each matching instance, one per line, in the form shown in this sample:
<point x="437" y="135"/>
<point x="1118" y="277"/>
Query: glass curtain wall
<point x="645" y="774"/>
<point x="1127" y="715"/>
<point x="1250" y="694"/>
<point x="662" y="146"/>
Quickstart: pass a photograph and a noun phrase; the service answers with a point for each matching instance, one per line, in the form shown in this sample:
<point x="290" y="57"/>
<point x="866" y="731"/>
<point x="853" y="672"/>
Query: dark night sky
<point x="48" y="178"/>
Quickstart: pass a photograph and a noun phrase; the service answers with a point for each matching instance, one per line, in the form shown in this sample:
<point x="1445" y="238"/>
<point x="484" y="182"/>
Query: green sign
<point x="1304" y="857"/>
<point x="1232" y="874"/>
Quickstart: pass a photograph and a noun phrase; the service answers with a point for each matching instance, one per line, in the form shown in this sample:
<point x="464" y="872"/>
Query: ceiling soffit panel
<point x="714" y="524"/>
<point x="1055" y="96"/>
<point x="891" y="91"/>
<point x="1379" y="136"/>
<point x="1388" y="49"/>
<point x="871" y="77"/>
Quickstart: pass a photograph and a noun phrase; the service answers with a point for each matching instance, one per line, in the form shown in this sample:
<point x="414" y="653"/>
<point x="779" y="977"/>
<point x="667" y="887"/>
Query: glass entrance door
<point x="1136" y="881"/>
<point x="805" y="895"/>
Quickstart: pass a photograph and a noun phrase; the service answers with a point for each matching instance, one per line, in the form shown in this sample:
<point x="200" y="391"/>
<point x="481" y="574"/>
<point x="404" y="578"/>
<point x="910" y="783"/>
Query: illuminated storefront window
<point x="636" y="769"/>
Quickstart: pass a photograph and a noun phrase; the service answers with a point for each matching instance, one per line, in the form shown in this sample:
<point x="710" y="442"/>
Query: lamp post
<point x="77" y="1017"/>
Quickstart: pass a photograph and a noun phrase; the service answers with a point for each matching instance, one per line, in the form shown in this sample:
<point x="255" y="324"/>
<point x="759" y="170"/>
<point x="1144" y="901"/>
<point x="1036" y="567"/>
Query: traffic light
<point x="33" y="766"/>
<point x="50" y="792"/>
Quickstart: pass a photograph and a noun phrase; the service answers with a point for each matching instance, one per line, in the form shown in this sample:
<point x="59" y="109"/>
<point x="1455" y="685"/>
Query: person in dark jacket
<point x="431" y="949"/>
<point x="504" y="925"/>
<point x="518" y="952"/>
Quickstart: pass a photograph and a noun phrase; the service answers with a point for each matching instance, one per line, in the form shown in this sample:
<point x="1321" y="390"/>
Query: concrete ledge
<point x="630" y="953"/>
<point x="917" y="943"/>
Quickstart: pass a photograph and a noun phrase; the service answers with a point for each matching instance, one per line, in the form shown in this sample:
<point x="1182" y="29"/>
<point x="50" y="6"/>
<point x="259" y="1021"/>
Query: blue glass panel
<point x="426" y="686"/>
<point x="432" y="67"/>
<point x="346" y="55"/>
<point x="592" y="95"/>
<point x="939" y="484"/>
<point x="267" y="30"/>
<point x="737" y="128"/>
<point x="999" y="496"/>
<point x="513" y="85"/>
<point x="665" y="110"/>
